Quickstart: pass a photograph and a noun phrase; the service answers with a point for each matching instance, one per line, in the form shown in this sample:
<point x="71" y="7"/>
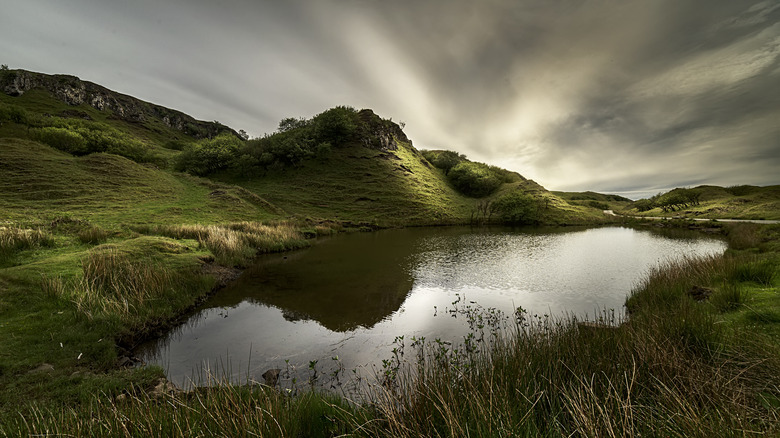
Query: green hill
<point x="344" y="165"/>
<point x="595" y="200"/>
<point x="712" y="202"/>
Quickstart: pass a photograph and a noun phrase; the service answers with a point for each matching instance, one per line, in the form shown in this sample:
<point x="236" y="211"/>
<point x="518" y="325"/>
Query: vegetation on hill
<point x="595" y="200"/>
<point x="737" y="202"/>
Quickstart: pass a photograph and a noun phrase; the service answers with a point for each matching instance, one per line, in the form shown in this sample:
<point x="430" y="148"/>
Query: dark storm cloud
<point x="631" y="96"/>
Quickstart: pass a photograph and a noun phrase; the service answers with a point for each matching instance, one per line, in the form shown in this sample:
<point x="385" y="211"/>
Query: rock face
<point x="378" y="133"/>
<point x="74" y="91"/>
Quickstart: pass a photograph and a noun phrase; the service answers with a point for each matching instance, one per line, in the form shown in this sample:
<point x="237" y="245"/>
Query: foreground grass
<point x="677" y="367"/>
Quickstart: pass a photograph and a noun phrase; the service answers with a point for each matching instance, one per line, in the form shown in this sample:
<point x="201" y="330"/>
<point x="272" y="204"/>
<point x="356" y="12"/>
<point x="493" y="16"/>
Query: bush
<point x="517" y="208"/>
<point x="444" y="160"/>
<point x="13" y="113"/>
<point x="210" y="155"/>
<point x="62" y="139"/>
<point x="335" y="125"/>
<point x="474" y="179"/>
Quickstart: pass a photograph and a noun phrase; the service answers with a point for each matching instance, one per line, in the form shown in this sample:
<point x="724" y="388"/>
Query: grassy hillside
<point x="41" y="184"/>
<point x="356" y="183"/>
<point x="737" y="202"/>
<point x="595" y="200"/>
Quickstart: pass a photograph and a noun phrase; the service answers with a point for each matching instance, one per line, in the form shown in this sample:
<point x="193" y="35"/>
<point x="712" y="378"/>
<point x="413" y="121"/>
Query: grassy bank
<point x="699" y="356"/>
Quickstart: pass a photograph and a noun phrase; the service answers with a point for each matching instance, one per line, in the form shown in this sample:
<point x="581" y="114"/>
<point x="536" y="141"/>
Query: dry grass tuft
<point x="14" y="239"/>
<point x="235" y="244"/>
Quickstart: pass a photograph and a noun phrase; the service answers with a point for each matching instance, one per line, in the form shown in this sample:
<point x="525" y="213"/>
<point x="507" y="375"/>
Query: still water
<point x="343" y="301"/>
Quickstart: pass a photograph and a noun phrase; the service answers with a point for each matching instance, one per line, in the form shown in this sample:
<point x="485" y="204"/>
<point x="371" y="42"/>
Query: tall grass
<point x="761" y="271"/>
<point x="668" y="371"/>
<point x="14" y="239"/>
<point x="113" y="284"/>
<point x="235" y="244"/>
<point x="743" y="235"/>
<point x="93" y="235"/>
<point x="219" y="410"/>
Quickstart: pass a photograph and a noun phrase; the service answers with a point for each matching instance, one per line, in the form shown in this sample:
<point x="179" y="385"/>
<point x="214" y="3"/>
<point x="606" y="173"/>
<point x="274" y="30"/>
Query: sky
<point x="618" y="96"/>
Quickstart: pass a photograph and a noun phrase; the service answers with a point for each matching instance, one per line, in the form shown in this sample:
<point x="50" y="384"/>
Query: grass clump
<point x="728" y="298"/>
<point x="113" y="284"/>
<point x="93" y="235"/>
<point x="14" y="239"/>
<point x="235" y="244"/>
<point x="760" y="271"/>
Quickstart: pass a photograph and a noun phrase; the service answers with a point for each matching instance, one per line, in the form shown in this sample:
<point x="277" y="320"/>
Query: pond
<point x="344" y="301"/>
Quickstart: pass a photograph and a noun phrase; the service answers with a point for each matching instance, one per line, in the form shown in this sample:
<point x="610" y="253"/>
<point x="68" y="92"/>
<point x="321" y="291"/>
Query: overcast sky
<point x="618" y="96"/>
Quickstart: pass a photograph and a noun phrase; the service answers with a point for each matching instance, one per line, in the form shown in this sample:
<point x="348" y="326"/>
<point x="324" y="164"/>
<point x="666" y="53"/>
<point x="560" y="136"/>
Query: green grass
<point x="358" y="184"/>
<point x="41" y="184"/>
<point x="595" y="200"/>
<point x="741" y="202"/>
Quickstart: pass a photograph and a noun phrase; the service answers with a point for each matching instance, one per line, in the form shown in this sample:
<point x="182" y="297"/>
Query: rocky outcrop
<point x="74" y="91"/>
<point x="377" y="133"/>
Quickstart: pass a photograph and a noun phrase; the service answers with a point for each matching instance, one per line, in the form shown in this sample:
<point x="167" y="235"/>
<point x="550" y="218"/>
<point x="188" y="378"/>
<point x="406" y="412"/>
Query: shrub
<point x="643" y="205"/>
<point x="444" y="160"/>
<point x="474" y="179"/>
<point x="335" y="125"/>
<point x="13" y="113"/>
<point x="61" y="138"/>
<point x="210" y="155"/>
<point x="517" y="208"/>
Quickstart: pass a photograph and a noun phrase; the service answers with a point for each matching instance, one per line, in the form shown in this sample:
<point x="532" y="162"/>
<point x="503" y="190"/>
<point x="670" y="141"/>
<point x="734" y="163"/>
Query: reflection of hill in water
<point x="342" y="285"/>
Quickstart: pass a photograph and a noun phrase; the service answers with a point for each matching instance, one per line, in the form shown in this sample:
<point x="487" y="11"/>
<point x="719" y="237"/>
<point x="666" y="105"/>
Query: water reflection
<point x="349" y="297"/>
<point x="344" y="283"/>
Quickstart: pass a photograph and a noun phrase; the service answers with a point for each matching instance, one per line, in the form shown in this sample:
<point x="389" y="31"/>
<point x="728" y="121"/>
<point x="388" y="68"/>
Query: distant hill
<point x="595" y="200"/>
<point x="736" y="202"/>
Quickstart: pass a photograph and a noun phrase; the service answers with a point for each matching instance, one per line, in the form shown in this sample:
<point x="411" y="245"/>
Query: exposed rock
<point x="74" y="91"/>
<point x="223" y="274"/>
<point x="377" y="133"/>
<point x="700" y="293"/>
<point x="163" y="388"/>
<point x="271" y="376"/>
<point x="42" y="368"/>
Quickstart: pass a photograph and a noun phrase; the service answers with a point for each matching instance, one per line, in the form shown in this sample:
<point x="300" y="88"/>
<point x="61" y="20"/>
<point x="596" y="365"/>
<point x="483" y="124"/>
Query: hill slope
<point x="713" y="202"/>
<point x="347" y="165"/>
<point x="41" y="184"/>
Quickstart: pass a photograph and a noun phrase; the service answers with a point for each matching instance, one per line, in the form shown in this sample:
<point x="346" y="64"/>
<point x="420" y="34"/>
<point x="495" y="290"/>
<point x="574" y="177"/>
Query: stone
<point x="700" y="293"/>
<point x="271" y="376"/>
<point x="42" y="368"/>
